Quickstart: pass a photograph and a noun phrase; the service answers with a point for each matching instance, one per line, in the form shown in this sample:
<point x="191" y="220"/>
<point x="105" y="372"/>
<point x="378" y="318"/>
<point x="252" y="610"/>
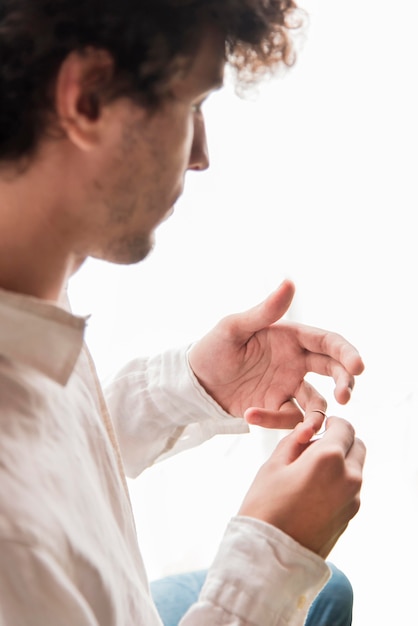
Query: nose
<point x="199" y="154"/>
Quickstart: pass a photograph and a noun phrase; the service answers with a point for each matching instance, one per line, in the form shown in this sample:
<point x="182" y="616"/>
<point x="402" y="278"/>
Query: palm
<point x="254" y="366"/>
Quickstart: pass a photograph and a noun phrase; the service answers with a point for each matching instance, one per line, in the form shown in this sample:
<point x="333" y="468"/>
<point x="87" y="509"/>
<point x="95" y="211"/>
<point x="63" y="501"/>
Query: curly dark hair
<point x="145" y="39"/>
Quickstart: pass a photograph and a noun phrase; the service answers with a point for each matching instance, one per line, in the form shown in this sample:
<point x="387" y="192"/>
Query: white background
<point x="313" y="179"/>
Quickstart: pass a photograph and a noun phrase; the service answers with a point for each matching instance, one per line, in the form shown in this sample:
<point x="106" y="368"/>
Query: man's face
<point x="141" y="170"/>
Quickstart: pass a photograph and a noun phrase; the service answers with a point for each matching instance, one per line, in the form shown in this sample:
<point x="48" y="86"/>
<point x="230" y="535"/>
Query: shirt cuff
<point x="159" y="409"/>
<point x="263" y="576"/>
<point x="190" y="405"/>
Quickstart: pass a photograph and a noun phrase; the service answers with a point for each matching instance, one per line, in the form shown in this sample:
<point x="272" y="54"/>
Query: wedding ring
<point x="322" y="432"/>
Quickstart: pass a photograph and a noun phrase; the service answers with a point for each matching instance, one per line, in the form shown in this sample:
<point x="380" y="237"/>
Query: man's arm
<point x="270" y="565"/>
<point x="249" y="366"/>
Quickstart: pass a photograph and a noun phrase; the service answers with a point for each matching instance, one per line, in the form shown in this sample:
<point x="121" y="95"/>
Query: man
<point x="100" y="119"/>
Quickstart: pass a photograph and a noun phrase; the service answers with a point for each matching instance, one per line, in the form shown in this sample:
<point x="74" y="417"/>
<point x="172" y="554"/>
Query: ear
<point x="79" y="85"/>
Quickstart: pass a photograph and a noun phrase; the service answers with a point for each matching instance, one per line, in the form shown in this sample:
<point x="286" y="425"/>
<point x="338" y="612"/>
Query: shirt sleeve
<point x="159" y="409"/>
<point x="260" y="577"/>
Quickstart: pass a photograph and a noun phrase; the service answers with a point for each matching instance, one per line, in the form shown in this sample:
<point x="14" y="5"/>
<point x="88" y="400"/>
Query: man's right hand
<point x="310" y="490"/>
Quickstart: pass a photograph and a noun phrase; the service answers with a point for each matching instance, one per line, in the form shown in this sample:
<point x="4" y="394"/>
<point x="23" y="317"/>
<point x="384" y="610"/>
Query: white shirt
<point x="68" y="546"/>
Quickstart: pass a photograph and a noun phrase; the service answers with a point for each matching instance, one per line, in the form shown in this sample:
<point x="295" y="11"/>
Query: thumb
<point x="292" y="446"/>
<point x="269" y="311"/>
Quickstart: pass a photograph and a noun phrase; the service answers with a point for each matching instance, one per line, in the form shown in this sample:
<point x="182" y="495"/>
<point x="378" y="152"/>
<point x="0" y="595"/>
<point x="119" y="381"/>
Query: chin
<point x="129" y="250"/>
<point x="169" y="213"/>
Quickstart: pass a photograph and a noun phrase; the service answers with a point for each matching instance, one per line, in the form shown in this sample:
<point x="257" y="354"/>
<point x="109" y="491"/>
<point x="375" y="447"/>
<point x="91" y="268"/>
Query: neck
<point x="35" y="255"/>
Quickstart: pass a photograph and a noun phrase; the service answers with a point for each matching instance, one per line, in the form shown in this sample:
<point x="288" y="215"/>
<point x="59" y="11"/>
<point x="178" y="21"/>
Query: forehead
<point x="206" y="70"/>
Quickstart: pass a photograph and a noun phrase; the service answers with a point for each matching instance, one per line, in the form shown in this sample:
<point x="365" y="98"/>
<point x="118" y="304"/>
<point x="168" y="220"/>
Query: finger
<point x="354" y="463"/>
<point x="315" y="406"/>
<point x="286" y="417"/>
<point x="324" y="342"/>
<point x="339" y="433"/>
<point x="290" y="447"/>
<point x="290" y="413"/>
<point x="267" y="312"/>
<point x="307" y="430"/>
<point x="357" y="454"/>
<point x="309" y="398"/>
<point x="327" y="366"/>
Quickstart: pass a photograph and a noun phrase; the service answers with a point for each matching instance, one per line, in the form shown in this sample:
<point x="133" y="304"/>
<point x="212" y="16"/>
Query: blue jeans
<point x="333" y="606"/>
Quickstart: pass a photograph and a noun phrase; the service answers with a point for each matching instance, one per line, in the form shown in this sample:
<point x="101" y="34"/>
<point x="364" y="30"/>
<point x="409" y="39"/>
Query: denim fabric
<point x="332" y="607"/>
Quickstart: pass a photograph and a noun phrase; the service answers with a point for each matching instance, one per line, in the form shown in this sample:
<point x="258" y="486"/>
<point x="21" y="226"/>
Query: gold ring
<point x="321" y="432"/>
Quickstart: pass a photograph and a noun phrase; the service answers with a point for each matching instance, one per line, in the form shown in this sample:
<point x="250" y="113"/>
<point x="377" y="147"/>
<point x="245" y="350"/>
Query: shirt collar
<point x="40" y="334"/>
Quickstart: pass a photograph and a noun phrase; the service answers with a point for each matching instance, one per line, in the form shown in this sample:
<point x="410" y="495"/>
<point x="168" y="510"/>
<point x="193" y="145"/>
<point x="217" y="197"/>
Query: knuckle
<point x="346" y="428"/>
<point x="361" y="445"/>
<point x="230" y="325"/>
<point x="350" y="431"/>
<point x="332" y="459"/>
<point x="355" y="506"/>
<point x="355" y="481"/>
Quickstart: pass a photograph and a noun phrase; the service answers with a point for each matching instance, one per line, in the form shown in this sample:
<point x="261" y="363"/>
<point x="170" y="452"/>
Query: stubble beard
<point x="131" y="249"/>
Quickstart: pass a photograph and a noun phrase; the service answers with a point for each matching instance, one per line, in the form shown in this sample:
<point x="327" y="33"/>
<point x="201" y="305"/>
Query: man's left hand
<point x="254" y="365"/>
